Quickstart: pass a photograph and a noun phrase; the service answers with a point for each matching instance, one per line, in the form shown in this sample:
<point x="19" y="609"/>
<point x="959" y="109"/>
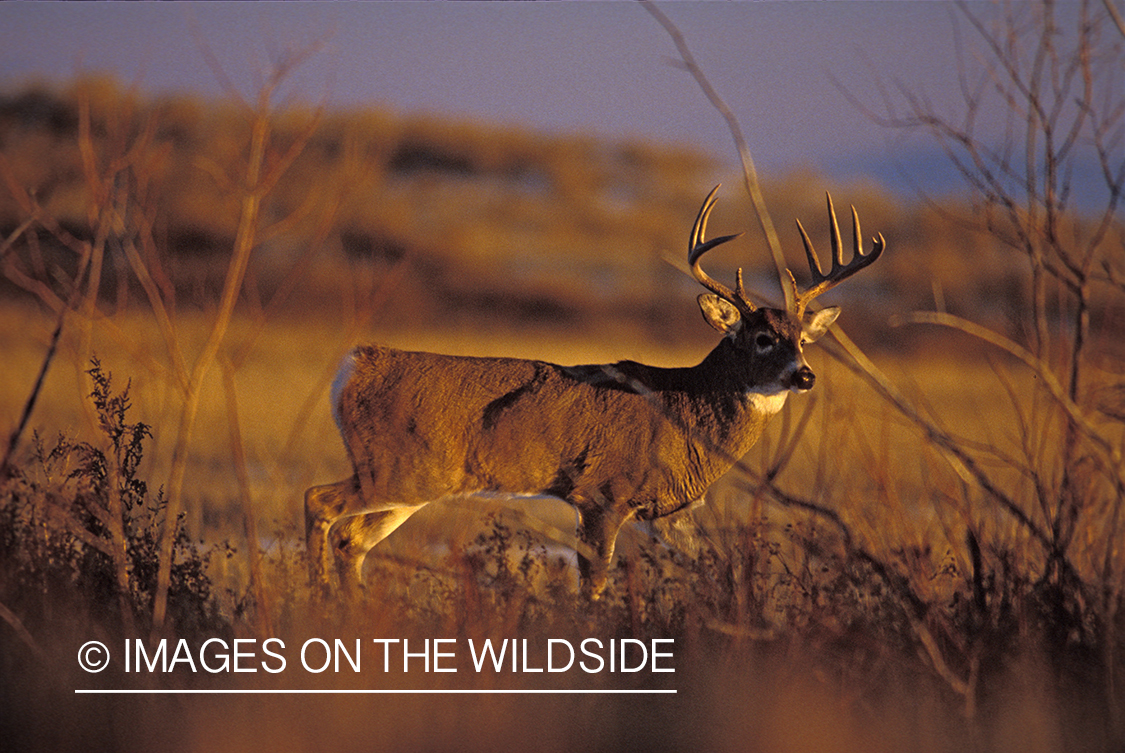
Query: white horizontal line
<point x="365" y="691"/>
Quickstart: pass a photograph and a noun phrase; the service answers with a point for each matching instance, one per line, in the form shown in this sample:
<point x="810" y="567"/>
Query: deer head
<point x="771" y="338"/>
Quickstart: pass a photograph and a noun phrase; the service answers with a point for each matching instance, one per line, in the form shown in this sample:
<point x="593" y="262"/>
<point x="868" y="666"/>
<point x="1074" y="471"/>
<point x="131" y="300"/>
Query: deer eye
<point x="765" y="341"/>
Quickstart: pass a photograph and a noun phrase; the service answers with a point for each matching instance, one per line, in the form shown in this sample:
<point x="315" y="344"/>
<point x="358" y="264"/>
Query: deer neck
<point x="726" y="376"/>
<point x="720" y="398"/>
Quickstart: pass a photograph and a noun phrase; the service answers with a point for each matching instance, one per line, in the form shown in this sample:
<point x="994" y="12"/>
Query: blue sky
<point x="566" y="67"/>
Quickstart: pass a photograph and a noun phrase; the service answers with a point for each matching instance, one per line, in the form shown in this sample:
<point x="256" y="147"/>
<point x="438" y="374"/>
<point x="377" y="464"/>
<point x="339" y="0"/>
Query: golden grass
<point x="291" y="441"/>
<point x="867" y="580"/>
<point x="852" y="586"/>
<point x="800" y="658"/>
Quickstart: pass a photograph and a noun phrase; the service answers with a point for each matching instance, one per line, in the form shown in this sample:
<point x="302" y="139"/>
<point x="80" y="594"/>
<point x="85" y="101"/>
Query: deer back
<point x="419" y="426"/>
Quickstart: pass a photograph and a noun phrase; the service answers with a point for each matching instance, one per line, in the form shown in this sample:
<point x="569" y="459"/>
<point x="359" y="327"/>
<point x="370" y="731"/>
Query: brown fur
<point x="616" y="441"/>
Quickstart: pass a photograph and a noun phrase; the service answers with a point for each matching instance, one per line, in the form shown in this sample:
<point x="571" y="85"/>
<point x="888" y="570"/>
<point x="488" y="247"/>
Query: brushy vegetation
<point x="79" y="530"/>
<point x="924" y="559"/>
<point x="771" y="613"/>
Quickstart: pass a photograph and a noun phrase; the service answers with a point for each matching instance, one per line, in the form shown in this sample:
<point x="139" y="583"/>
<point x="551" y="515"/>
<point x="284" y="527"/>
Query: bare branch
<point x="1115" y="15"/>
<point x="1110" y="450"/>
<point x="749" y="172"/>
<point x="17" y="626"/>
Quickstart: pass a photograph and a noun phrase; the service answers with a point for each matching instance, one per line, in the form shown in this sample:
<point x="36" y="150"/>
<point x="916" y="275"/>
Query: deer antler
<point x="697" y="247"/>
<point x="840" y="271"/>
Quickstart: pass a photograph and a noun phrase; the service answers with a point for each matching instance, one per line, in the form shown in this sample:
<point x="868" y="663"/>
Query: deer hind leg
<point x="352" y="538"/>
<point x="597" y="535"/>
<point x="324" y="505"/>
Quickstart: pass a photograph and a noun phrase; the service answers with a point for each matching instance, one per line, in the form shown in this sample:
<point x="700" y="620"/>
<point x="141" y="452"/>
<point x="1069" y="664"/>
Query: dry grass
<point x="928" y="563"/>
<point x="785" y="638"/>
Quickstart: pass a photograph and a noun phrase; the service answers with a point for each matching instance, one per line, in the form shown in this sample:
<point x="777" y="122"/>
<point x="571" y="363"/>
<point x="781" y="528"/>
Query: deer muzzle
<point x="803" y="379"/>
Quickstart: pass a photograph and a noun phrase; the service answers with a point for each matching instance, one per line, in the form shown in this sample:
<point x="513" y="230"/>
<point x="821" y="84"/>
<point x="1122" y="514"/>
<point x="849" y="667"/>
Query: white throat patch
<point x="765" y="400"/>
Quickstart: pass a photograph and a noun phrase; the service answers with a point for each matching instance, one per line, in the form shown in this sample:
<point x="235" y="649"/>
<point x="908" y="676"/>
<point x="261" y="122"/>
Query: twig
<point x="1115" y="14"/>
<point x="17" y="625"/>
<point x="29" y="405"/>
<point x="749" y="172"/>
<point x="260" y="176"/>
<point x="1055" y="388"/>
<point x="262" y="609"/>
<point x="49" y="357"/>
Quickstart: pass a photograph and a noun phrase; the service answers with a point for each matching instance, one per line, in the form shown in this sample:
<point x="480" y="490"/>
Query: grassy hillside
<point x="472" y="222"/>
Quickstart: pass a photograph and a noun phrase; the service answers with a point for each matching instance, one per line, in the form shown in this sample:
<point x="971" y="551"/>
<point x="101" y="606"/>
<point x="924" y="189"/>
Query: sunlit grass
<point x="789" y="632"/>
<point x="929" y="561"/>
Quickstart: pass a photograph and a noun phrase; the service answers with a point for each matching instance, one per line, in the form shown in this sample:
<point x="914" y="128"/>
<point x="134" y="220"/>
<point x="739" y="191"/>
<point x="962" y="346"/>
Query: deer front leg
<point x="597" y="536"/>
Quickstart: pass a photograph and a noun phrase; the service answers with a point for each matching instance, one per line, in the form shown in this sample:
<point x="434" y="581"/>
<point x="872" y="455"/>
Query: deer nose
<point x="804" y="379"/>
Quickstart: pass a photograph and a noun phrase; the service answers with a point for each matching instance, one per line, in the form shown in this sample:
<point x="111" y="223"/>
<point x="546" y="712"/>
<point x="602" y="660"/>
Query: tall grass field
<point x="923" y="553"/>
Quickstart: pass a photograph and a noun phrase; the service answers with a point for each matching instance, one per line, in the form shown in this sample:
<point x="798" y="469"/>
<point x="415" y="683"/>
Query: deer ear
<point x="719" y="312"/>
<point x="815" y="325"/>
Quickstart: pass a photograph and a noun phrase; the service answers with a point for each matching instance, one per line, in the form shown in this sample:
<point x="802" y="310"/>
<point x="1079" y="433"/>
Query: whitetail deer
<point x="616" y="441"/>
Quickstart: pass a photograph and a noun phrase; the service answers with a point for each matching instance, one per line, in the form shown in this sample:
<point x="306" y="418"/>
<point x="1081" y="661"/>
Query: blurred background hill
<point x="484" y="224"/>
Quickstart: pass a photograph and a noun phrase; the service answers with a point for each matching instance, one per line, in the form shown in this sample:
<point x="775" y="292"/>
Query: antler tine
<point x="740" y="290"/>
<point x="814" y="261"/>
<point x="697" y="246"/>
<point x="837" y="245"/>
<point x="699" y="229"/>
<point x="840" y="271"/>
<point x="857" y="234"/>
